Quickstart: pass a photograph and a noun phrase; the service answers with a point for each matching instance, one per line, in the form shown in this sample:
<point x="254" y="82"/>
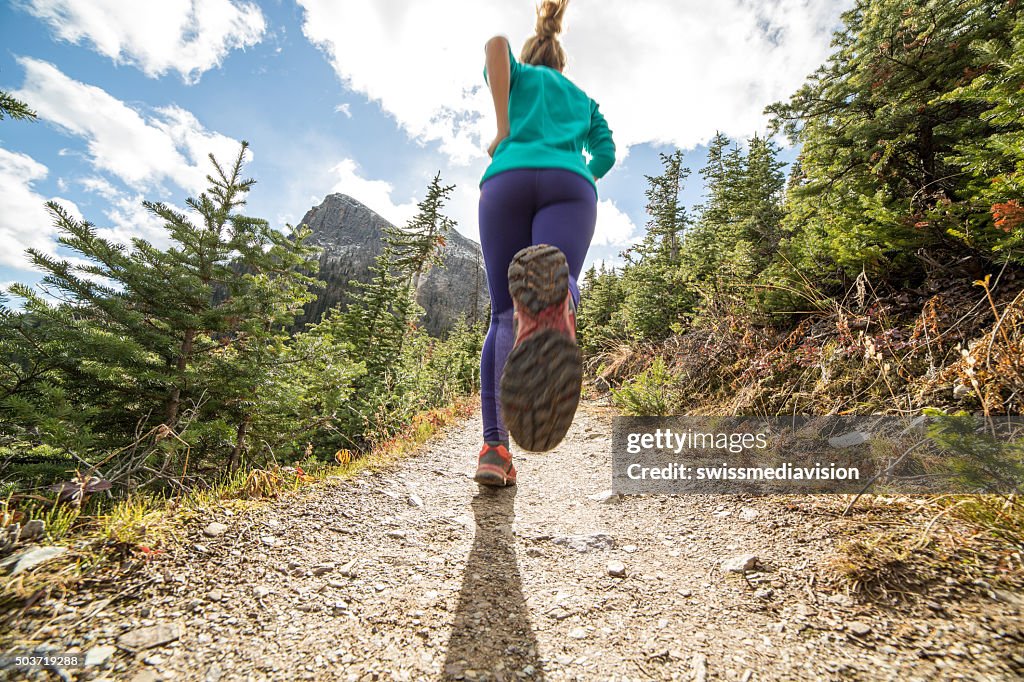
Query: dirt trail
<point x="449" y="581"/>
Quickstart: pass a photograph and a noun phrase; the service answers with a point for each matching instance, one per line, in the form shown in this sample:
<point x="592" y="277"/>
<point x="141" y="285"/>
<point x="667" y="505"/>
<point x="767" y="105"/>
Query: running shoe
<point x="495" y="466"/>
<point x="540" y="385"/>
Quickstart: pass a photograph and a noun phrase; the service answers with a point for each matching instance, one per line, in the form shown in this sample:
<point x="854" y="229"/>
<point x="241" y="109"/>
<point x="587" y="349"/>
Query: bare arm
<point x="498" y="78"/>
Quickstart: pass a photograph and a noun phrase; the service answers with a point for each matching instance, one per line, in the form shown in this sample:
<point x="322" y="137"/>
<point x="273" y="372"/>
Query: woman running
<point x="538" y="208"/>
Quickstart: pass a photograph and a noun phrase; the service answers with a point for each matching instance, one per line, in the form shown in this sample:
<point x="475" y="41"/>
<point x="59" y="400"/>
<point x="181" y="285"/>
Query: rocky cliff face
<point x="350" y="235"/>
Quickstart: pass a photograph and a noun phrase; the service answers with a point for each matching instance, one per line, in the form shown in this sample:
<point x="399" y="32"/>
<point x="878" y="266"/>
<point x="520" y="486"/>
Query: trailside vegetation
<point x="168" y="369"/>
<point x="883" y="273"/>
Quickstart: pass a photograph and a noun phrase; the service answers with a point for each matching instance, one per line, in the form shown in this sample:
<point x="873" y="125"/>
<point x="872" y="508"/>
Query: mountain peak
<point x="349" y="232"/>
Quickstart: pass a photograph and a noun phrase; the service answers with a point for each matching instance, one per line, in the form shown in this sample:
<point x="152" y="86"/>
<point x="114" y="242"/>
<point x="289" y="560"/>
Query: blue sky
<point x="367" y="98"/>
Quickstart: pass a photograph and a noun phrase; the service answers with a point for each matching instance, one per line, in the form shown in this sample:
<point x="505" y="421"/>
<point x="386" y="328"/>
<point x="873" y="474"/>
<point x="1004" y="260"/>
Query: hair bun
<point x="549" y="17"/>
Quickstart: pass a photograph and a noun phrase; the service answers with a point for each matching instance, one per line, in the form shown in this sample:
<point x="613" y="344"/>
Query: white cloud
<point x="143" y="151"/>
<point x="344" y="108"/>
<point x="415" y="59"/>
<point x="187" y="36"/>
<point x="614" y="228"/>
<point x="135" y="154"/>
<point x="128" y="218"/>
<point x="663" y="71"/>
<point x="376" y="194"/>
<point x="24" y="221"/>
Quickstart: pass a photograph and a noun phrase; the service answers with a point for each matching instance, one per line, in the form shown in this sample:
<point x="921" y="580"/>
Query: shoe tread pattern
<point x="540" y="385"/>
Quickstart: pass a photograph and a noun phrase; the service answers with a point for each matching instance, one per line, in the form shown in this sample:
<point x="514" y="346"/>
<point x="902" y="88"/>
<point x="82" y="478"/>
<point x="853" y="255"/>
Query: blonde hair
<point x="543" y="48"/>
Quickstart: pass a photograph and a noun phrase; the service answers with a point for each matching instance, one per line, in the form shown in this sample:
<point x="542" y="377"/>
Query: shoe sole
<point x="540" y="385"/>
<point x="493" y="478"/>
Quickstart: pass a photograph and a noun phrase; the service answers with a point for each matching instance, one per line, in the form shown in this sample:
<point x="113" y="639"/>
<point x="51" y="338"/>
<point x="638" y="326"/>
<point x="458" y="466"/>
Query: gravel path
<point x="413" y="573"/>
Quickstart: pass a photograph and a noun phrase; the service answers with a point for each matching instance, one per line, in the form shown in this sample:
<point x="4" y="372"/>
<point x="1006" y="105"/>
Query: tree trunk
<point x="236" y="453"/>
<point x="174" y="397"/>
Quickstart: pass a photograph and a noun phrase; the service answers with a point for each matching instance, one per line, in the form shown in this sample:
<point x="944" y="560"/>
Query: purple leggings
<point x="520" y="208"/>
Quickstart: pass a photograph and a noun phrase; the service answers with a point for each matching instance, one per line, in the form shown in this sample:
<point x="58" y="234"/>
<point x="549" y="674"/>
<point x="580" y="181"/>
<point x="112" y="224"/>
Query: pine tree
<point x="416" y="247"/>
<point x="144" y="333"/>
<point x="656" y="298"/>
<point x="668" y="215"/>
<point x="995" y="164"/>
<point x="13" y="108"/>
<point x="879" y="127"/>
<point x="715" y="233"/>
<point x="599" y="319"/>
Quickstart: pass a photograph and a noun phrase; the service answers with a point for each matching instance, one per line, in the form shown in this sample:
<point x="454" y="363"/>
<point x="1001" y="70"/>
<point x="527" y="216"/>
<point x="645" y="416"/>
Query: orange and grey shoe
<point x="495" y="466"/>
<point x="540" y="385"/>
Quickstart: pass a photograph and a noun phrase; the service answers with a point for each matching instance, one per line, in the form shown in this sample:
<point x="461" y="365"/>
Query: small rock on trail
<point x="616" y="569"/>
<point x="739" y="564"/>
<point x="586" y="543"/>
<point x="215" y="529"/>
<point x="149" y="637"/>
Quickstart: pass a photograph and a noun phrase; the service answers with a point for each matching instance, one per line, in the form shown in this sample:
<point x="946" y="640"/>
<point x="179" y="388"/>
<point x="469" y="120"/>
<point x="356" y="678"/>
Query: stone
<point x="30" y="557"/>
<point x="578" y="633"/>
<point x="586" y="543"/>
<point x="215" y="529"/>
<point x="32" y="530"/>
<point x="269" y="540"/>
<point x="1007" y="597"/>
<point x="840" y="599"/>
<point x="605" y="497"/>
<point x="700" y="667"/>
<point x="916" y="424"/>
<point x="848" y="440"/>
<point x="149" y="637"/>
<point x="200" y="548"/>
<point x="739" y="564"/>
<point x="748" y="513"/>
<point x="98" y="655"/>
<point x="322" y="569"/>
<point x="414" y="500"/>
<point x="858" y="628"/>
<point x="616" y="569"/>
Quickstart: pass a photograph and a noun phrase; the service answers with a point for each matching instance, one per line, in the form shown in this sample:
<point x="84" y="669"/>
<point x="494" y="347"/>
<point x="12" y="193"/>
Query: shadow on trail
<point x="491" y="634"/>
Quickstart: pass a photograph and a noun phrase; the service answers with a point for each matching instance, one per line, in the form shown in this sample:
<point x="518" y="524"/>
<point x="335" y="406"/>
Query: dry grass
<point x="954" y="344"/>
<point x="932" y="546"/>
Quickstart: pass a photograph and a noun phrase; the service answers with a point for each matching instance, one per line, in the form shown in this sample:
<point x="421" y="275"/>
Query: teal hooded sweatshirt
<point x="551" y="121"/>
